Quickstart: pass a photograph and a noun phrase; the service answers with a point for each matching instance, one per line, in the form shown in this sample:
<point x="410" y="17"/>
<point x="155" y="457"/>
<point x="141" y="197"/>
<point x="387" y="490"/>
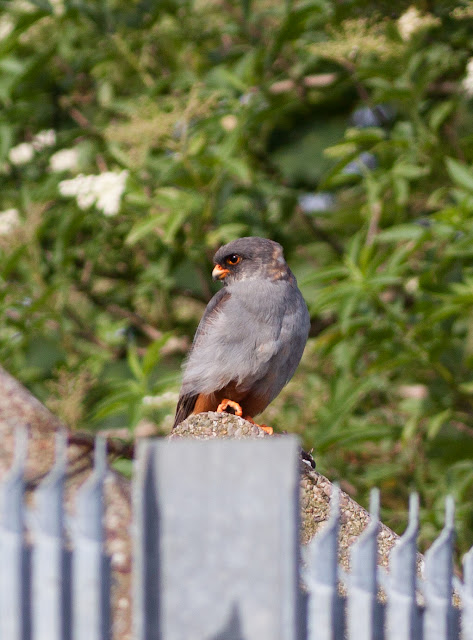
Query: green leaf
<point x="440" y="113"/>
<point x="402" y="232"/>
<point x="466" y="387"/>
<point x="123" y="466"/>
<point x="153" y="354"/>
<point x="178" y="199"/>
<point x="144" y="228"/>
<point x="437" y="422"/>
<point x="401" y="190"/>
<point x="134" y="362"/>
<point x="368" y="135"/>
<point x="410" y="171"/>
<point x="460" y="174"/>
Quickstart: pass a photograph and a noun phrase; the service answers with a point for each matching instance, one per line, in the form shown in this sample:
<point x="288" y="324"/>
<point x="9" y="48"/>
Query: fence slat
<point x="50" y="561"/>
<point x="362" y="608"/>
<point x="467" y="596"/>
<point x="325" y="615"/>
<point x="402" y="615"/>
<point x="90" y="565"/>
<point x="439" y="618"/>
<point x="15" y="621"/>
<point x="224" y="537"/>
<point x="146" y="532"/>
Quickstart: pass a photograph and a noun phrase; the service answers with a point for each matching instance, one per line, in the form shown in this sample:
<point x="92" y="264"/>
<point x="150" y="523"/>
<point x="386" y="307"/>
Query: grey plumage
<point x="253" y="332"/>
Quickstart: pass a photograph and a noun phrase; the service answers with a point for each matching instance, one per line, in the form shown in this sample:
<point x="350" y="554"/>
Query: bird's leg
<point x="269" y="430"/>
<point x="230" y="403"/>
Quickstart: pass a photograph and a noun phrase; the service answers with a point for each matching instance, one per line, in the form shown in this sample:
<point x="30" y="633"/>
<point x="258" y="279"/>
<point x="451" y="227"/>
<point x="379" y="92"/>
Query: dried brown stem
<point x="115" y="447"/>
<point x="136" y="320"/>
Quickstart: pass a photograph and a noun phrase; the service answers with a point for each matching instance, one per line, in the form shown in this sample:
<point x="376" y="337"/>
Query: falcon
<point x="251" y="337"/>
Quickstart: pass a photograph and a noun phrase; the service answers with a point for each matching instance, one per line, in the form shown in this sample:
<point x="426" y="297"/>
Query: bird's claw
<point x="230" y="403"/>
<point x="269" y="430"/>
<point x="238" y="412"/>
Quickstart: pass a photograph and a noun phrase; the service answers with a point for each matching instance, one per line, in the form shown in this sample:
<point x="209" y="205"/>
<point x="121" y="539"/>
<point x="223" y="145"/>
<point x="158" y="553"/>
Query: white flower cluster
<point x="64" y="160"/>
<point x="463" y="13"/>
<point x="229" y="122"/>
<point x="467" y="82"/>
<point x="6" y="26"/>
<point x="43" y="139"/>
<point x="21" y="154"/>
<point x="413" y="20"/>
<point x="58" y="7"/>
<point x="9" y="220"/>
<point x="24" y="152"/>
<point x="23" y="6"/>
<point x="104" y="190"/>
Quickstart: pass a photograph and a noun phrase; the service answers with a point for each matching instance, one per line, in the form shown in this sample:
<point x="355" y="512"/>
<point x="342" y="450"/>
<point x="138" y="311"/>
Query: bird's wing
<point x="185" y="406"/>
<point x="186" y="402"/>
<point x="215" y="306"/>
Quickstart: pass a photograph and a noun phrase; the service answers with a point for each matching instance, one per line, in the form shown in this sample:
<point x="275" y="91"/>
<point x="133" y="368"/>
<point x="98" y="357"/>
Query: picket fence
<point x="216" y="556"/>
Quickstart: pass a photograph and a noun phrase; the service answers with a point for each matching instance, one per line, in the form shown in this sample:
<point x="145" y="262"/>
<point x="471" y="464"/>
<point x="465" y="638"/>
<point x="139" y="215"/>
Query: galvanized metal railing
<point x="48" y="592"/>
<point x="216" y="556"/>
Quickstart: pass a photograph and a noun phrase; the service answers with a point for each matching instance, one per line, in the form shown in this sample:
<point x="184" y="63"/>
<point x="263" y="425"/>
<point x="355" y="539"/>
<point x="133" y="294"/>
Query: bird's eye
<point x="233" y="259"/>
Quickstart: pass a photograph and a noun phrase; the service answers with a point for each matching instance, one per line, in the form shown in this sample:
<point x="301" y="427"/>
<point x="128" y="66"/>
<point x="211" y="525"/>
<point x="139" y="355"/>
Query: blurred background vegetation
<point x="138" y="136"/>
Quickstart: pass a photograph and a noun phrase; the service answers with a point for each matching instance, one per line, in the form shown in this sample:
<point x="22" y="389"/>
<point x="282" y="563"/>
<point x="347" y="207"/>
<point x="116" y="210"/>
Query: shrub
<point x="137" y="137"/>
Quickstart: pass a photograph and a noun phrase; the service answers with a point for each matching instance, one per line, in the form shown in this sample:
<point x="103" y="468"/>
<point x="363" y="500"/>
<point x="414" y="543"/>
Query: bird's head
<point x="249" y="258"/>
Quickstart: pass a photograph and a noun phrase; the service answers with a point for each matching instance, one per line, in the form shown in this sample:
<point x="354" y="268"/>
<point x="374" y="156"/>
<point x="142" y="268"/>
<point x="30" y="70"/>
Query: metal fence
<point x="216" y="556"/>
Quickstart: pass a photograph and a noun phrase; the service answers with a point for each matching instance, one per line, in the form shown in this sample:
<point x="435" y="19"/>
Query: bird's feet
<point x="230" y="403"/>
<point x="223" y="406"/>
<point x="269" y="430"/>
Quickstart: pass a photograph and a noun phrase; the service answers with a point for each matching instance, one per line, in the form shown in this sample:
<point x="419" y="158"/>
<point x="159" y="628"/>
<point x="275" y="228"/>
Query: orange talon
<point x="230" y="403"/>
<point x="269" y="430"/>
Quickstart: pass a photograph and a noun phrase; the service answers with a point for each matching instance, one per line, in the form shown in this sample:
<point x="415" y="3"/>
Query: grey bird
<point x="252" y="334"/>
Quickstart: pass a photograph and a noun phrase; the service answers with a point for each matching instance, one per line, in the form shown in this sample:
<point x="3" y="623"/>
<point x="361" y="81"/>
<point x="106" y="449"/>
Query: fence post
<point x="222" y="537"/>
<point x="325" y="616"/>
<point x="439" y="615"/>
<point x="50" y="561"/>
<point x="402" y="615"/>
<point x="15" y="620"/>
<point x="362" y="608"/>
<point x="90" y="565"/>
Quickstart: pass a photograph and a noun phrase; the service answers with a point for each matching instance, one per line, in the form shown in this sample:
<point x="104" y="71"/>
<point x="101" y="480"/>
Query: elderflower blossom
<point x="23" y="6"/>
<point x="413" y="20"/>
<point x="64" y="160"/>
<point x="58" y="7"/>
<point x="9" y="220"/>
<point x="467" y="82"/>
<point x="43" y="139"/>
<point x="229" y="122"/>
<point x="463" y="13"/>
<point x="6" y="26"/>
<point x="21" y="154"/>
<point x="104" y="190"/>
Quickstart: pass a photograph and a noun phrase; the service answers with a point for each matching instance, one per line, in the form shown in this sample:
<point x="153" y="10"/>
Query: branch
<point x="115" y="447"/>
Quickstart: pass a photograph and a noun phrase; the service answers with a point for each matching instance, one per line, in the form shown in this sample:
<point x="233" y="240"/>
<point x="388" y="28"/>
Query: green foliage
<point x="193" y="123"/>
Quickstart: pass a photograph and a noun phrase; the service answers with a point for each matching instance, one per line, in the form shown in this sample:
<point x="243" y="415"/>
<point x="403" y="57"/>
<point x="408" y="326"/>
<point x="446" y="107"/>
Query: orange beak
<point x="219" y="273"/>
